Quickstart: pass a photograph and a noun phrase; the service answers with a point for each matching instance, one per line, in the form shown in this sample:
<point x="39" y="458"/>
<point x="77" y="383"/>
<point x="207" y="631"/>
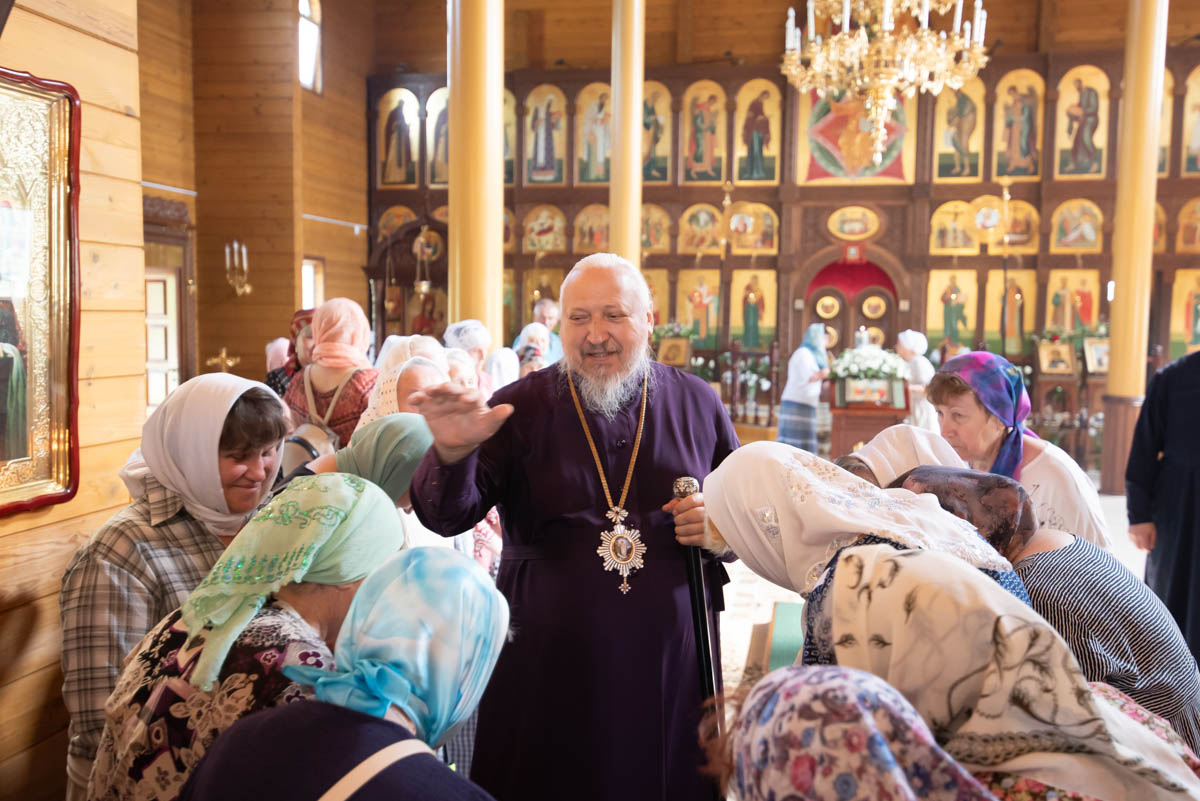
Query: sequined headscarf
<point x="331" y="528"/>
<point x="1000" y="387"/>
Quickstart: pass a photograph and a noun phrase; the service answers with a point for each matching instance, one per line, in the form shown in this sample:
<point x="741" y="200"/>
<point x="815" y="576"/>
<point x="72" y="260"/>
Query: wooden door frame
<point x="168" y="222"/>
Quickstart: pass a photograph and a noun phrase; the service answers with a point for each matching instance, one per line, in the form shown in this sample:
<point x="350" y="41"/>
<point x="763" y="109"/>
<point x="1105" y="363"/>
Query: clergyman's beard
<point x="609" y="394"/>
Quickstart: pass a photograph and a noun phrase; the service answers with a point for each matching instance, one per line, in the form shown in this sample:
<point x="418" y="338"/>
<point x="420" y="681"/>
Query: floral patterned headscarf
<point x="1000" y="387"/>
<point x="300" y="320"/>
<point x="836" y="733"/>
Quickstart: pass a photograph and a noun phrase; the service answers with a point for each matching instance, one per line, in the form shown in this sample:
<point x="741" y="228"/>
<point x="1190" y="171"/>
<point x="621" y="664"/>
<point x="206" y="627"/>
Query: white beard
<point x="608" y="395"/>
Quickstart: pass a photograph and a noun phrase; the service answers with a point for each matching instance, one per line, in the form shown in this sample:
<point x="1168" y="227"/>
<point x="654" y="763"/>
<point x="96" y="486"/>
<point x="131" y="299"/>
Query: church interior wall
<point x="203" y="97"/>
<point x="93" y="45"/>
<point x="248" y="113"/>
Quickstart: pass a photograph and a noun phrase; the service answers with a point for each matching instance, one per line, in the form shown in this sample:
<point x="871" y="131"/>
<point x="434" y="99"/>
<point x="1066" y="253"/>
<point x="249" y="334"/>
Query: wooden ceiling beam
<point x="1047" y="17"/>
<point x="685" y="30"/>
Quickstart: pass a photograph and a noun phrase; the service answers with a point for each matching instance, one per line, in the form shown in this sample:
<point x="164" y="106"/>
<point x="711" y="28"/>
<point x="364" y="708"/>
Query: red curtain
<point x="850" y="278"/>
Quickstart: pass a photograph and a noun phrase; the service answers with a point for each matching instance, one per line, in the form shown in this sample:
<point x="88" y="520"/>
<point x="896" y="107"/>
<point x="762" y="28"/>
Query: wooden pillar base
<point x="1120" y="417"/>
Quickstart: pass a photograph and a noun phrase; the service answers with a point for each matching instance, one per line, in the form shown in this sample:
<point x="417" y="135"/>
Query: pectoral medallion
<point x="621" y="548"/>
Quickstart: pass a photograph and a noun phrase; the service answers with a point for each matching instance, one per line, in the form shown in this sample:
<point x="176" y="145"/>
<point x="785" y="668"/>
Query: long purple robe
<point x="597" y="695"/>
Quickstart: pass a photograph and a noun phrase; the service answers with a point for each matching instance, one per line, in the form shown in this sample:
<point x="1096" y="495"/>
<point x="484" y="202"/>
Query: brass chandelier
<point x="868" y="58"/>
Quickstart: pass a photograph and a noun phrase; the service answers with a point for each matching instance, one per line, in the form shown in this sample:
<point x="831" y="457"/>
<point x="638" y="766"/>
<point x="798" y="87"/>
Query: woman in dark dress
<point x="298" y="354"/>
<point x="1162" y="491"/>
<point x="412" y="658"/>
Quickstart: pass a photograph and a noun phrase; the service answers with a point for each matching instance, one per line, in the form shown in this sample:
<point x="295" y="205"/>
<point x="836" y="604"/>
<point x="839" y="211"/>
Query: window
<point x="310" y="44"/>
<point x="312" y="282"/>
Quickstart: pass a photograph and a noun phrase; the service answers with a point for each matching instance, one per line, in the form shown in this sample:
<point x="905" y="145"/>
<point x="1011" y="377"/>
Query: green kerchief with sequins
<point x="331" y="528"/>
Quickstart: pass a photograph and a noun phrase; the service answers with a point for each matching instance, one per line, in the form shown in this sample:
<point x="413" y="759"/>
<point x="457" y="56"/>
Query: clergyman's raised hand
<point x="460" y="419"/>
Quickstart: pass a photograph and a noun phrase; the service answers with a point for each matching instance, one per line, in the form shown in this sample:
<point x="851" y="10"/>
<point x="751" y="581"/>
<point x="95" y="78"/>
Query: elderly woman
<point x="277" y="597"/>
<point x="1120" y="632"/>
<point x="503" y="367"/>
<point x="394" y="386"/>
<point x="807" y="369"/>
<point x="982" y="404"/>
<point x="896" y="450"/>
<point x="412" y="659"/>
<point x="473" y="337"/>
<point x="834" y="733"/>
<point x="765" y="489"/>
<point x="299" y="352"/>
<point x="462" y="368"/>
<point x="911" y="347"/>
<point x="385" y="452"/>
<point x="395" y="350"/>
<point x="996" y="684"/>
<point x="534" y="335"/>
<point x="208" y="458"/>
<point x="333" y="390"/>
<point x="430" y="348"/>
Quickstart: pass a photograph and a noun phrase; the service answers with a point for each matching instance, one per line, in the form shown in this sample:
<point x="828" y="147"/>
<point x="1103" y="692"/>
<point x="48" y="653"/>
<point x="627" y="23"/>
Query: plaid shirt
<point x="137" y="569"/>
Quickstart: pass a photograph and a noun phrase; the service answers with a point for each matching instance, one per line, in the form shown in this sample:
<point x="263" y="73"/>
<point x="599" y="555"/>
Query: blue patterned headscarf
<point x="814" y="340"/>
<point x="423" y="633"/>
<point x="1000" y="387"/>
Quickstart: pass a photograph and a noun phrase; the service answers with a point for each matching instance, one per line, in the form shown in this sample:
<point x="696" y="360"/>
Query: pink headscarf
<point x="341" y="334"/>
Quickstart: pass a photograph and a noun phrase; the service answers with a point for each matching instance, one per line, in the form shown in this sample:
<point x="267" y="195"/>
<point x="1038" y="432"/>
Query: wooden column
<point x="625" y="178"/>
<point x="475" y="76"/>
<point x="1133" y="239"/>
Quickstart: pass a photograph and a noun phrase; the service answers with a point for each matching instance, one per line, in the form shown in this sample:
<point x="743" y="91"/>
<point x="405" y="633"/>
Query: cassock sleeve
<point x="451" y="499"/>
<point x="1141" y="471"/>
<point x="727" y="440"/>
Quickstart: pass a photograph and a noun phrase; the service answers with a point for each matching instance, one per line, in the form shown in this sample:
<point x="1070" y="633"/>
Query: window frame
<point x="313" y="18"/>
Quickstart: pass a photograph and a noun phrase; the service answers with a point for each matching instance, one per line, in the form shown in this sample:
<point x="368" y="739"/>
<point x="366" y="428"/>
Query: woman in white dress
<point x="911" y="346"/>
<point x="981" y="405"/>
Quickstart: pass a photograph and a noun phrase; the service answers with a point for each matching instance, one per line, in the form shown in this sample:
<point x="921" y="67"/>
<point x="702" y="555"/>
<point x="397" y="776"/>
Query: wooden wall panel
<point x="91" y="44"/>
<point x="248" y="154"/>
<point x="344" y="254"/>
<point x="335" y="151"/>
<point x="165" y="52"/>
<point x="413" y="32"/>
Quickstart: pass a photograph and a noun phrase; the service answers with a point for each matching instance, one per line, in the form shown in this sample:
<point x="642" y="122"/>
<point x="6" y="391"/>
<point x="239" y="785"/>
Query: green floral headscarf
<point x="331" y="528"/>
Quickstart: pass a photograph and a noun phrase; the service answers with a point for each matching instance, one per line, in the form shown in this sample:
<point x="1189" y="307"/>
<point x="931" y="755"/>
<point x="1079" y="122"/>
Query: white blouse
<point x="799" y="389"/>
<point x="1064" y="497"/>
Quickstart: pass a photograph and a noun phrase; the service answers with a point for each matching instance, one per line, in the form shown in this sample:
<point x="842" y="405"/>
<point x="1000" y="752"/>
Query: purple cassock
<point x="597" y="695"/>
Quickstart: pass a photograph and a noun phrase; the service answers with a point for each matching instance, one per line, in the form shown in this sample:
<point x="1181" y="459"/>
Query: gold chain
<point x="637" y="440"/>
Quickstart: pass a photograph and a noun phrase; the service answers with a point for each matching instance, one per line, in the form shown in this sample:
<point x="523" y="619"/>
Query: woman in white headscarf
<point x="503" y="367"/>
<point x="898" y="592"/>
<point x="898" y="449"/>
<point x="395" y="350"/>
<point x="208" y="458"/>
<point x="911" y="346"/>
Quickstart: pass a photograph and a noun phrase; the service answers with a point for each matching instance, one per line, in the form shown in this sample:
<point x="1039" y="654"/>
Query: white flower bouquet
<point x="869" y="362"/>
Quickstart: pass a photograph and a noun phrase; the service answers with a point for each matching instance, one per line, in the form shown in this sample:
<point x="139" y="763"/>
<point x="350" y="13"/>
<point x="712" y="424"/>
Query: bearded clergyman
<point x="597" y="694"/>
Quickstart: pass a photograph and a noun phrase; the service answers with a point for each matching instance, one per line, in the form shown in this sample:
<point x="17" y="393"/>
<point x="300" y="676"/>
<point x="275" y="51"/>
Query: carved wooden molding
<point x="162" y="211"/>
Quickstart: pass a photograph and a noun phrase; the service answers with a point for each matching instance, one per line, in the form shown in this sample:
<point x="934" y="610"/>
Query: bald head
<point x="613" y="268"/>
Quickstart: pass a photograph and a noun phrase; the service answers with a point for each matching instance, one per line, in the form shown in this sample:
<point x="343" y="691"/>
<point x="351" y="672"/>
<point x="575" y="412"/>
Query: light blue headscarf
<point x="814" y="340"/>
<point x="423" y="633"/>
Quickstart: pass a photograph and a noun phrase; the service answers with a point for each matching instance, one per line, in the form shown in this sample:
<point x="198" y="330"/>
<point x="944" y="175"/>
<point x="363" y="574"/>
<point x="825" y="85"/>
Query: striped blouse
<point x="1120" y="632"/>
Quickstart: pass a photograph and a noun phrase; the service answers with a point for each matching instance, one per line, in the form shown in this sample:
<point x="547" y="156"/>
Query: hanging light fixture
<point x="866" y="57"/>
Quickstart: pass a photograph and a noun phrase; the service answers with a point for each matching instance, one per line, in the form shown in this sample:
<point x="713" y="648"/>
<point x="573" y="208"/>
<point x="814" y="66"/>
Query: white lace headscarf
<point x="898" y="449"/>
<point x="785" y="512"/>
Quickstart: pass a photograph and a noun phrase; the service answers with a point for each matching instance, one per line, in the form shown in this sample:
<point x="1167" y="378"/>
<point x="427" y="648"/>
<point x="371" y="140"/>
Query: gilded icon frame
<point x="42" y="118"/>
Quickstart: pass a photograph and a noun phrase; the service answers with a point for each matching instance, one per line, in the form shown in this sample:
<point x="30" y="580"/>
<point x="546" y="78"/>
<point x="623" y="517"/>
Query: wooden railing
<point x="749" y="404"/>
